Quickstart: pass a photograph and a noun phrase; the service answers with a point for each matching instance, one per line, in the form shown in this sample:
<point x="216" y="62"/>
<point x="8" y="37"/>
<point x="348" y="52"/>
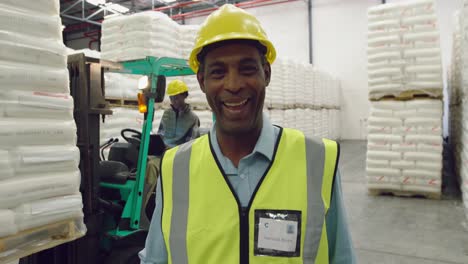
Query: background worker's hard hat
<point x="176" y="87"/>
<point x="229" y="23"/>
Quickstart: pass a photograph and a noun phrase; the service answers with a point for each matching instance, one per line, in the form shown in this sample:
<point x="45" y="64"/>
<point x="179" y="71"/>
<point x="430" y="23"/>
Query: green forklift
<point x="126" y="196"/>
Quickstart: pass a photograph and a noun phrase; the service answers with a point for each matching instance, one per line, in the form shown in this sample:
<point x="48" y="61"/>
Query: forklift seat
<point x="113" y="172"/>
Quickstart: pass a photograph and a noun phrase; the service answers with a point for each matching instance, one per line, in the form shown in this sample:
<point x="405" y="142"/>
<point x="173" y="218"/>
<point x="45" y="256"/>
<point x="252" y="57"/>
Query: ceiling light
<point x="168" y="1"/>
<point x="96" y="2"/>
<point x="117" y="8"/>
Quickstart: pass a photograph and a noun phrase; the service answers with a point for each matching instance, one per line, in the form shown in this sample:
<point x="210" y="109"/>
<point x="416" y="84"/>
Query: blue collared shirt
<point x="244" y="180"/>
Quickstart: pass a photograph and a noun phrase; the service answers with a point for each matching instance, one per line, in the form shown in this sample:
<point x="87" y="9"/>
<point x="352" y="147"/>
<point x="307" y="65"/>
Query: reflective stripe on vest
<point x="186" y="196"/>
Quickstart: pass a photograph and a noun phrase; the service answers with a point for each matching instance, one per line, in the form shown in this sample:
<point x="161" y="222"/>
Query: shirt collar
<point x="186" y="109"/>
<point x="265" y="143"/>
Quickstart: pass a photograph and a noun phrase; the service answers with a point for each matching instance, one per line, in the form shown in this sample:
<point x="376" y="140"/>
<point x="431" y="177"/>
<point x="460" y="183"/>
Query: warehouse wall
<point x="340" y="48"/>
<point x="79" y="41"/>
<point x="286" y="25"/>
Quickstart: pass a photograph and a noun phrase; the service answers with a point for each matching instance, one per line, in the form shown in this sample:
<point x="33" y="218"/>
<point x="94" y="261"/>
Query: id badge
<point x="277" y="233"/>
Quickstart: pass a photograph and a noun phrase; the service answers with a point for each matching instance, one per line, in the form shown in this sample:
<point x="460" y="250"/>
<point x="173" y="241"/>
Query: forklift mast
<point x="156" y="68"/>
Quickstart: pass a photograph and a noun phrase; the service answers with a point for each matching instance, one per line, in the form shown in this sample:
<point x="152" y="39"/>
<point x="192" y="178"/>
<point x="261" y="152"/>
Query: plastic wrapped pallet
<point x="38" y="154"/>
<point x="206" y="119"/>
<point x="404" y="49"/>
<point x="121" y="86"/>
<point x="404" y="151"/>
<point x="139" y="35"/>
<point x="196" y="98"/>
<point x="187" y="36"/>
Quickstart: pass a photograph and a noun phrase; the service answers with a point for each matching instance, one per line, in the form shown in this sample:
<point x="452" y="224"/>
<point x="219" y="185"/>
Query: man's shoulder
<point x="188" y="144"/>
<point x="300" y="133"/>
<point x="168" y="112"/>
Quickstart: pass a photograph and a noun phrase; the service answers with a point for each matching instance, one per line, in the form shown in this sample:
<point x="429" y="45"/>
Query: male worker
<point x="178" y="124"/>
<point x="249" y="192"/>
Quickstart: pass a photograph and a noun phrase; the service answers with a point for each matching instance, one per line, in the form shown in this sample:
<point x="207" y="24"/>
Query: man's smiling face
<point x="234" y="78"/>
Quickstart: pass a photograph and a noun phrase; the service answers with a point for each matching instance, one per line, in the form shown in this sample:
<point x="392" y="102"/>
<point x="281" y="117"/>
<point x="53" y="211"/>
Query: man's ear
<point x="267" y="71"/>
<point x="201" y="80"/>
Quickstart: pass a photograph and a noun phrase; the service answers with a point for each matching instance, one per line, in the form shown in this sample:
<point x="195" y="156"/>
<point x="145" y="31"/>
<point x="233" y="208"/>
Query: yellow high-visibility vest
<point x="204" y="223"/>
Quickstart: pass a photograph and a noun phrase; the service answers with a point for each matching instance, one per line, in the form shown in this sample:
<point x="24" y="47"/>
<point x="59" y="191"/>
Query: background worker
<point x="179" y="124"/>
<point x="249" y="192"/>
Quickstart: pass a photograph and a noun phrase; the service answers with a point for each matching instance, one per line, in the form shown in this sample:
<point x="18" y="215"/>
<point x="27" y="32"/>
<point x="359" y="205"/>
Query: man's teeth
<point x="235" y="104"/>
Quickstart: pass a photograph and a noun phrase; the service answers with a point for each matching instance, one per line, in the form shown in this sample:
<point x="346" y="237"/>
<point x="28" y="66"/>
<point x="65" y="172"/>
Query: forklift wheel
<point x="124" y="256"/>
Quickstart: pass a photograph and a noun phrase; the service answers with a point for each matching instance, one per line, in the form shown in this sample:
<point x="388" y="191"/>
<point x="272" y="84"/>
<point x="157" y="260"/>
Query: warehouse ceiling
<point x="79" y="14"/>
<point x="82" y="18"/>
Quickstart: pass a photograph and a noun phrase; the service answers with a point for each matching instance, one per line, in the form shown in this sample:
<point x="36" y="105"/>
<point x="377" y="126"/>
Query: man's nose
<point x="232" y="82"/>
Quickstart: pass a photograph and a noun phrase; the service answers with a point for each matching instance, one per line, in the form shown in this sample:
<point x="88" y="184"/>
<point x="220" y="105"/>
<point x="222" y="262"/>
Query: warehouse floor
<point x="388" y="229"/>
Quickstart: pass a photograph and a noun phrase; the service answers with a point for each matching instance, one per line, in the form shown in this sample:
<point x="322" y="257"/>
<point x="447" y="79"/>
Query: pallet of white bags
<point x="403" y="193"/>
<point x="33" y="240"/>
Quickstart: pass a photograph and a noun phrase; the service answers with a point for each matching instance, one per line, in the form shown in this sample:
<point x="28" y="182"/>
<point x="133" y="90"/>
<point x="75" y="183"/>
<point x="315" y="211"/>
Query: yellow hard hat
<point x="176" y="87"/>
<point x="226" y="23"/>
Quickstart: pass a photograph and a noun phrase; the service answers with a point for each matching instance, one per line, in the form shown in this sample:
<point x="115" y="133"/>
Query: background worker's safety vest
<point x="203" y="222"/>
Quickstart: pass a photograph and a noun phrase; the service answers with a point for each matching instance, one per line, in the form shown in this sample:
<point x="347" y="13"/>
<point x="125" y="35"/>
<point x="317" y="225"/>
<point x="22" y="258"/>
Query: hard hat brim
<point x="270" y="49"/>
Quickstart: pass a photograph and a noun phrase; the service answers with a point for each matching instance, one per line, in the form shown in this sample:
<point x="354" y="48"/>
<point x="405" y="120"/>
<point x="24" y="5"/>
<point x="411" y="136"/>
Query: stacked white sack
<point x="38" y="154"/>
<point x="139" y="35"/>
<point x="404" y="49"/>
<point x="320" y="123"/>
<point x="121" y="86"/>
<point x="196" y="98"/>
<point x="404" y="149"/>
<point x="274" y="92"/>
<point x="38" y="213"/>
<point x="187" y="36"/>
<point x="299" y="85"/>
<point x="206" y="119"/>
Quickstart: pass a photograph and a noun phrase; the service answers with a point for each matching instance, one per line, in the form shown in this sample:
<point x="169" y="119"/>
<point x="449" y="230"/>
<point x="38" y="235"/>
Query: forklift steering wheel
<point x="136" y="135"/>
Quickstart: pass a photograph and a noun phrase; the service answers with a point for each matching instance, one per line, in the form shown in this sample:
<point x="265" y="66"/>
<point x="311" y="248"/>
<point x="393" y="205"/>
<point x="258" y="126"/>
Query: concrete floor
<point x="387" y="229"/>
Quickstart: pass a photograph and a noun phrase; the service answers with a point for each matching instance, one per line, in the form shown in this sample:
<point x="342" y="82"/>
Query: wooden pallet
<point x="410" y="95"/>
<point x="404" y="193"/>
<point x="299" y="106"/>
<point x="33" y="240"/>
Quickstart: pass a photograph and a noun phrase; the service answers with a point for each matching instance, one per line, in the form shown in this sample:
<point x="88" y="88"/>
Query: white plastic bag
<point x="32" y="132"/>
<point x="18" y="76"/>
<point x="422" y="156"/>
<point x="28" y="104"/>
<point x="30" y="24"/>
<point x="47" y="211"/>
<point x="387" y="172"/>
<point x="7" y="223"/>
<point x="14" y="192"/>
<point x="383" y="155"/>
<point x="402" y="164"/>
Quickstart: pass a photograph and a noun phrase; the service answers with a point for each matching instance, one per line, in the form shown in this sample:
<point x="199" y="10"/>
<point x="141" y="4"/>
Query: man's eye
<point x="249" y="69"/>
<point x="217" y="73"/>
